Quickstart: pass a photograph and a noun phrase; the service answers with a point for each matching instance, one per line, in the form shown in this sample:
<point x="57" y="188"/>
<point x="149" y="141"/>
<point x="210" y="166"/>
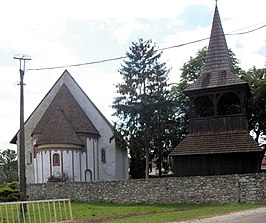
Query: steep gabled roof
<point x="73" y="113"/>
<point x="218" y="70"/>
<point x="65" y="75"/>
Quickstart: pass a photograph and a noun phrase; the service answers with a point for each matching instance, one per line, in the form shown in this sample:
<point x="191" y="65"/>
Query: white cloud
<point x="126" y="28"/>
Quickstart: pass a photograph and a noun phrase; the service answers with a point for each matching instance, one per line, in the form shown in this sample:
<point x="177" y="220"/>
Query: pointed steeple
<point x="217" y="58"/>
<point x="218" y="70"/>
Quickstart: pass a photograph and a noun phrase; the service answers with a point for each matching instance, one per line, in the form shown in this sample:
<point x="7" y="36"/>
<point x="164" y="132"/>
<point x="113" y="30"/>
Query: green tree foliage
<point x="8" y="159"/>
<point x="256" y="79"/>
<point x="191" y="71"/>
<point x="144" y="109"/>
<point x="9" y="192"/>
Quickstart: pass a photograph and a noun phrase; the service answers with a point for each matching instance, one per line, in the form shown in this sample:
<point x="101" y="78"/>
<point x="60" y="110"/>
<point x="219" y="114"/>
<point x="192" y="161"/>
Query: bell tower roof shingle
<point x="218" y="70"/>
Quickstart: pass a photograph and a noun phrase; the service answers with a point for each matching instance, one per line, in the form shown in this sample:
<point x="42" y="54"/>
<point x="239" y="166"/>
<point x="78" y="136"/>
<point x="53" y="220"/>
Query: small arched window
<point x="29" y="157"/>
<point x="229" y="104"/>
<point x="204" y="106"/>
<point x="103" y="155"/>
<point x="56" y="159"/>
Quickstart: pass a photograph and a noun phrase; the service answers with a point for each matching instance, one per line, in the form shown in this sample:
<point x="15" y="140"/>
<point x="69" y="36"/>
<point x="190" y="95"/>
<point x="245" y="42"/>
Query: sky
<point x="64" y="32"/>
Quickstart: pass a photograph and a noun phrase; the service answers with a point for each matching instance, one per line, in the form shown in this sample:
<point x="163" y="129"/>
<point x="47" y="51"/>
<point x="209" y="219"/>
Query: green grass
<point x="87" y="212"/>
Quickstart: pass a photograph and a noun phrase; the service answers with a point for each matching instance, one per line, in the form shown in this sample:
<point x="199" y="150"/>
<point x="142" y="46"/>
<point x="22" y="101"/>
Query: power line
<point x="199" y="40"/>
<point x="80" y="64"/>
<point x="123" y="57"/>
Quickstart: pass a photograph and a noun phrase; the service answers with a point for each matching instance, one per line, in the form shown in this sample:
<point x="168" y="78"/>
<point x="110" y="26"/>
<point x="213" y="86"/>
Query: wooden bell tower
<point x="218" y="141"/>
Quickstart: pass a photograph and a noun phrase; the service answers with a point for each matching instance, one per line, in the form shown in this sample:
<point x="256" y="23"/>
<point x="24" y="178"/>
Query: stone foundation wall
<point x="248" y="188"/>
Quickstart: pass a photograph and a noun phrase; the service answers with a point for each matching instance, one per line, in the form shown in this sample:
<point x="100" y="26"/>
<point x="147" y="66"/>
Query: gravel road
<point x="229" y="217"/>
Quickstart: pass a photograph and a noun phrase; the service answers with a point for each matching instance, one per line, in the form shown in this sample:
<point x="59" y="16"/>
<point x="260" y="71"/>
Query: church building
<point x="67" y="138"/>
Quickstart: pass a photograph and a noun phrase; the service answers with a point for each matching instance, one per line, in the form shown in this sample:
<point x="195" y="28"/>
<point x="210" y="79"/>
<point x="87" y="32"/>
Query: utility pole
<point x="22" y="174"/>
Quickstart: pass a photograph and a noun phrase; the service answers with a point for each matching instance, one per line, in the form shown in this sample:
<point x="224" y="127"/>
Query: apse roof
<point x="67" y="116"/>
<point x="58" y="130"/>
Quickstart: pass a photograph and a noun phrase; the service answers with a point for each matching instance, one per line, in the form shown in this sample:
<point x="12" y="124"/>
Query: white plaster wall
<point x="39" y="167"/>
<point x="96" y="159"/>
<point x="35" y="170"/>
<point x="107" y="170"/>
<point x="83" y="166"/>
<point x="67" y="164"/>
<point x="122" y="164"/>
<point x="90" y="161"/>
<point x="46" y="165"/>
<point x="30" y="173"/>
<point x="76" y="155"/>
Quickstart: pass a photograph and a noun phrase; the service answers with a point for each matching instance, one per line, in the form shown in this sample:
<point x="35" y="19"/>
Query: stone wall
<point x="248" y="188"/>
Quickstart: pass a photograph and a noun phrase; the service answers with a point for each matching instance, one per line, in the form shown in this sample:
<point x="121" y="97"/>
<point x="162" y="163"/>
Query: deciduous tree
<point x="8" y="158"/>
<point x="256" y="79"/>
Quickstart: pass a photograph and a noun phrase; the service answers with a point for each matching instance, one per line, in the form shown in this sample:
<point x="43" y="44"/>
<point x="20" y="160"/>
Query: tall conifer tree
<point x="143" y="107"/>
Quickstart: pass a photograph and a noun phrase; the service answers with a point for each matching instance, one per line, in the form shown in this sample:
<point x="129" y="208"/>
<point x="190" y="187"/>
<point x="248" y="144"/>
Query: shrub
<point x="58" y="178"/>
<point x="9" y="192"/>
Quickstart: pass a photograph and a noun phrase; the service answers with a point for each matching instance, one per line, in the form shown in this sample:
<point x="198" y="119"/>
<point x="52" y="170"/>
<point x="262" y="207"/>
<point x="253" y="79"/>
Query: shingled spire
<point x="217" y="58"/>
<point x="218" y="70"/>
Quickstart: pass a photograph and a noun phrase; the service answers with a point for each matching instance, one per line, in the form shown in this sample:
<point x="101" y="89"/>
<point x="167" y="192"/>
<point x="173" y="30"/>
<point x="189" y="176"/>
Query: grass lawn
<point x="87" y="212"/>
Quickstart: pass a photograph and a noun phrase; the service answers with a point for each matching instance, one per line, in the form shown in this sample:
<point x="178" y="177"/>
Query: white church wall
<point x="39" y="168"/>
<point x="107" y="168"/>
<point x="96" y="159"/>
<point x="121" y="164"/>
<point x="35" y="170"/>
<point x="83" y="166"/>
<point x="67" y="164"/>
<point x="46" y="165"/>
<point x="90" y="160"/>
<point x="76" y="156"/>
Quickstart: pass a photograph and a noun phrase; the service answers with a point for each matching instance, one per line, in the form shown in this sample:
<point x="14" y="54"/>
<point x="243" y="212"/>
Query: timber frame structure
<point x="218" y="141"/>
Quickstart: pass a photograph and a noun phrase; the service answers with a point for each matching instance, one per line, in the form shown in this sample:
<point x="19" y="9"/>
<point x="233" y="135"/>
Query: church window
<point x="229" y="104"/>
<point x="204" y="106"/>
<point x="103" y="155"/>
<point x="56" y="159"/>
<point x="29" y="157"/>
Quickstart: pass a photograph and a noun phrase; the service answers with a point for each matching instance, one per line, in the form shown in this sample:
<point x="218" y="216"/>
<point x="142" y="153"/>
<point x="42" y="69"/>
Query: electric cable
<point x="160" y="49"/>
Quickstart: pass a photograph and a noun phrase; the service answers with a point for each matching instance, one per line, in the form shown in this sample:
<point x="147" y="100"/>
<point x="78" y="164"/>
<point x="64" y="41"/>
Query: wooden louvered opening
<point x="204" y="107"/>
